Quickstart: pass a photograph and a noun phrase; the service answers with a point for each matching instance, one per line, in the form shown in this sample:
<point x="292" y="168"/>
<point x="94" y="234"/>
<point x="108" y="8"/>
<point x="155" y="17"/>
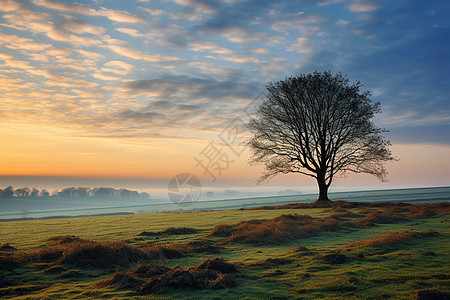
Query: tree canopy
<point x="318" y="125"/>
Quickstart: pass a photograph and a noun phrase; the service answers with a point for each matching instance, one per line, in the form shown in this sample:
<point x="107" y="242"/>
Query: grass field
<point x="299" y="251"/>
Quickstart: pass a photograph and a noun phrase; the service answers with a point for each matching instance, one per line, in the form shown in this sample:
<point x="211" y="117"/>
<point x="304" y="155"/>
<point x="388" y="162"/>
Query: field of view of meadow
<point x="223" y="149"/>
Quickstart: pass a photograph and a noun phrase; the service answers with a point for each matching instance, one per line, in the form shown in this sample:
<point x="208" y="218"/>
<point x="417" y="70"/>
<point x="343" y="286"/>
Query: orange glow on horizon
<point x="37" y="150"/>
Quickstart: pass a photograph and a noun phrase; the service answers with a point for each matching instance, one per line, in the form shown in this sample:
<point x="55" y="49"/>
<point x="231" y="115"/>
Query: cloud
<point x="398" y="117"/>
<point x="296" y="18"/>
<point x="8" y="5"/>
<point x="210" y="47"/>
<point x="52" y="31"/>
<point x="257" y="50"/>
<point x="23" y="19"/>
<point x="342" y="22"/>
<point x="241" y="59"/>
<point x="303" y="45"/>
<point x="79" y="8"/>
<point x="201" y="6"/>
<point x="192" y="88"/>
<point x="329" y="2"/>
<point x="130" y="31"/>
<point x="117" y="67"/>
<point x="142" y="116"/>
<point x="104" y="77"/>
<point x="236" y="33"/>
<point x="286" y="23"/>
<point x="16" y="42"/>
<point x="74" y="7"/>
<point x="90" y="54"/>
<point x="153" y="12"/>
<point x="141" y="55"/>
<point x="363" y="5"/>
<point x="79" y="27"/>
<point x="220" y="55"/>
<point x="121" y="16"/>
<point x="11" y="62"/>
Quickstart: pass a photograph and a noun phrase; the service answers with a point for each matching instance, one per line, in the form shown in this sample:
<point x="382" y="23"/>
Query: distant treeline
<point x="72" y="192"/>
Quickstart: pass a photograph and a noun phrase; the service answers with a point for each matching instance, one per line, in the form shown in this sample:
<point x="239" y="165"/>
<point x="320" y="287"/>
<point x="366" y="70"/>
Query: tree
<point x="318" y="125"/>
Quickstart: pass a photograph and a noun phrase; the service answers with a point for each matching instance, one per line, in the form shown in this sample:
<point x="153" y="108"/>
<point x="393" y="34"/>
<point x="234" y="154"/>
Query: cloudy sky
<point x="148" y="89"/>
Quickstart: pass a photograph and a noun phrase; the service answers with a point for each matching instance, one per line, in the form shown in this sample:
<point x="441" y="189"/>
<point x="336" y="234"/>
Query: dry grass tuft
<point x="179" y="230"/>
<point x="432" y="295"/>
<point x="287" y="227"/>
<point x="300" y="248"/>
<point x="392" y="238"/>
<point x="122" y="280"/>
<point x="162" y="252"/>
<point x="63" y="239"/>
<point x="7" y="247"/>
<point x="223" y="281"/>
<point x="9" y="262"/>
<point x="415" y="210"/>
<point x="86" y="254"/>
<point x="216" y="264"/>
<point x="209" y="274"/>
<point x="276" y="231"/>
<point x="148" y="270"/>
<point x="382" y="217"/>
<point x="201" y="246"/>
<point x="335" y="258"/>
<point x="170" y="231"/>
<point x="148" y="279"/>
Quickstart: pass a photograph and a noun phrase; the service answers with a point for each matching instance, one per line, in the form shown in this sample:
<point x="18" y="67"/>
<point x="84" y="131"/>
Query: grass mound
<point x="381" y="217"/>
<point x="223" y="281"/>
<point x="432" y="295"/>
<point x="276" y="231"/>
<point x="170" y="231"/>
<point x="148" y="270"/>
<point x="9" y="262"/>
<point x="300" y="248"/>
<point x="63" y="239"/>
<point x="392" y="238"/>
<point x="122" y="280"/>
<point x="92" y="254"/>
<point x="87" y="254"/>
<point x="202" y="246"/>
<point x="216" y="264"/>
<point x="149" y="279"/>
<point x="209" y="274"/>
<point x="158" y="251"/>
<point x="7" y="247"/>
<point x="415" y="210"/>
<point x="335" y="258"/>
<point x="179" y="230"/>
<point x="161" y="252"/>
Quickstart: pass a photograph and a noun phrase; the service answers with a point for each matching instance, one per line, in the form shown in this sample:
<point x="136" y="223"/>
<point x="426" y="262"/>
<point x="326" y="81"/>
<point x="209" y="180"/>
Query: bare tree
<point x="318" y="125"/>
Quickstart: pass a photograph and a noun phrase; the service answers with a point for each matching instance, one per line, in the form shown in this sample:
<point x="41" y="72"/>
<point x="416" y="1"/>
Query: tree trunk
<point x="323" y="189"/>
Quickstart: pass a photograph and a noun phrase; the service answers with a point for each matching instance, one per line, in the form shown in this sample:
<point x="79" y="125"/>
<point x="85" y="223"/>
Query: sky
<point x="131" y="93"/>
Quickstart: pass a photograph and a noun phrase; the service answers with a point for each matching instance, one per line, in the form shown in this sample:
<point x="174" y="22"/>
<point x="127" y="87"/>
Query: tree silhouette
<point x="318" y="125"/>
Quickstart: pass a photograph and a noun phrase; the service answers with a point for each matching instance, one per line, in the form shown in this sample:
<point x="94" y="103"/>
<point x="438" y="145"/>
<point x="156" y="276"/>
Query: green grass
<point x="26" y="235"/>
<point x="403" y="267"/>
